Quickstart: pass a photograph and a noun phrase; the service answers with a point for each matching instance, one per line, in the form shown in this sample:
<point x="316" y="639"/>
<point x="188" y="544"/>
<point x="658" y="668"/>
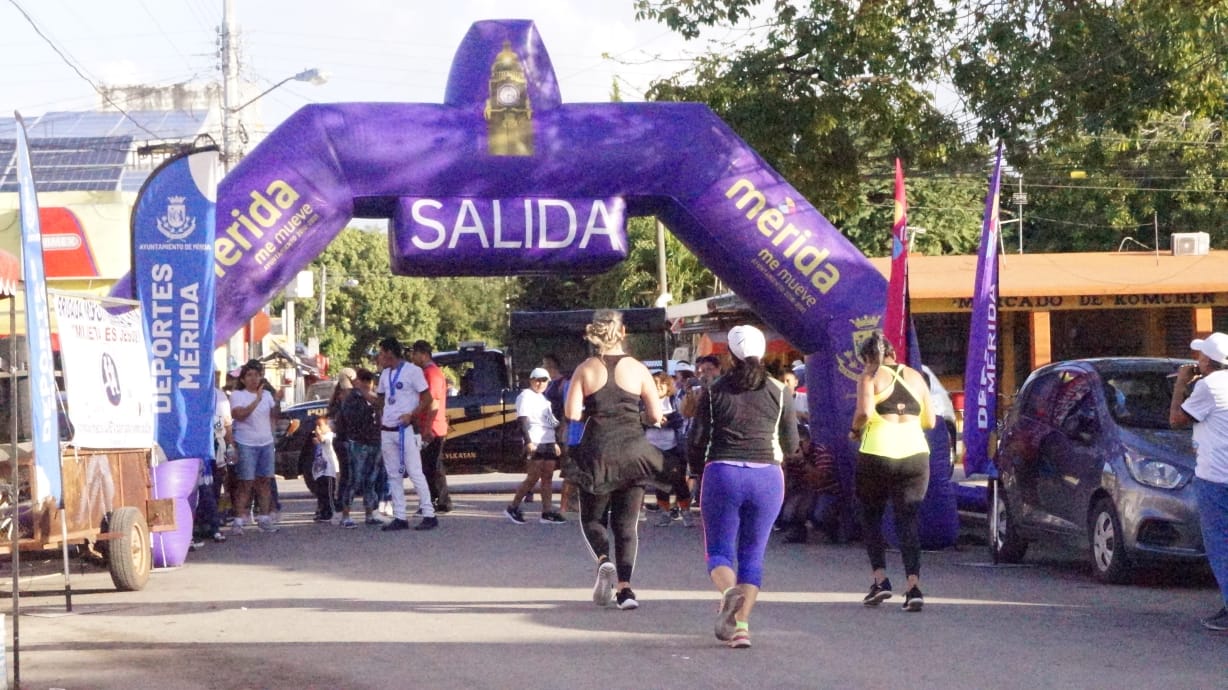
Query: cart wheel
<point x="129" y="556"/>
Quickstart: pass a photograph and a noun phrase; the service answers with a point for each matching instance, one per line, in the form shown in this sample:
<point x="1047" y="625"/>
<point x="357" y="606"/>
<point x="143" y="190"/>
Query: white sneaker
<point x="266" y="524"/>
<point x="603" y="590"/>
<point x="236" y="527"/>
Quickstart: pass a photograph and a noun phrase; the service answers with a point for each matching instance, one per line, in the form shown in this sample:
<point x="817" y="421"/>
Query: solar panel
<point x="93" y="150"/>
<point x="72" y="163"/>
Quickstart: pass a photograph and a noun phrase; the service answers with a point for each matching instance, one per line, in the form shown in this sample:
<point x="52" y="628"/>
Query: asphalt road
<point x="484" y="603"/>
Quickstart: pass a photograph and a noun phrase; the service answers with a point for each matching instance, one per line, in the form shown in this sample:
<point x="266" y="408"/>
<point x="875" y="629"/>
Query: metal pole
<point x="14" y="524"/>
<point x="323" y="285"/>
<point x="229" y="73"/>
<point x="662" y="290"/>
<point x="1020" y="212"/>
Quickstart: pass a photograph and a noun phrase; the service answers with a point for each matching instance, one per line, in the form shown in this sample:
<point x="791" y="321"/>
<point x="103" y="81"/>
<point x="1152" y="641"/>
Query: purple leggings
<point x="739" y="505"/>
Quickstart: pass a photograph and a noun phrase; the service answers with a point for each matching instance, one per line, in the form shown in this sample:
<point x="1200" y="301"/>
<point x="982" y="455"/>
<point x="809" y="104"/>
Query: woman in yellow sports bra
<point x="893" y="413"/>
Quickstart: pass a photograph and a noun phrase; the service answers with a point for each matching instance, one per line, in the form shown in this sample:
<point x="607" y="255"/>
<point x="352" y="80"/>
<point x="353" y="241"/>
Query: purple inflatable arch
<point x="503" y="178"/>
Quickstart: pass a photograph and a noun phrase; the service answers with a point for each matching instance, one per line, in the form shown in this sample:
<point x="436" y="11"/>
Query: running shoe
<point x="514" y="515"/>
<point x="675" y="513"/>
<point x="740" y="639"/>
<point x="372" y="520"/>
<point x="913" y="601"/>
<point x="879" y="592"/>
<point x="726" y="624"/>
<point x="266" y="525"/>
<point x="427" y="523"/>
<point x="603" y="590"/>
<point x="551" y="519"/>
<point x="396" y="525"/>
<point x="349" y="523"/>
<point x="1218" y="622"/>
<point x="196" y="544"/>
<point x="687" y="520"/>
<point x="219" y="537"/>
<point x="664" y="519"/>
<point x="236" y="527"/>
<point x="626" y="599"/>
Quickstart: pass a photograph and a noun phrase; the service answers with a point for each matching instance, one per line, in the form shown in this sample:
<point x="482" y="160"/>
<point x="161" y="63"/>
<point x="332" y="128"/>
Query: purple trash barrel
<point x="176" y="480"/>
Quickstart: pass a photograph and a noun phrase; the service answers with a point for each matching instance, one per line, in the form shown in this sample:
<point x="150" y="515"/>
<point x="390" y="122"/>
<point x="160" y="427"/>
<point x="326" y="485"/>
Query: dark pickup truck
<point x="482" y="431"/>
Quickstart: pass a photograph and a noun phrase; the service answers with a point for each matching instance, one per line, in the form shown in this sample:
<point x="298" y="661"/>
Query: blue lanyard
<point x="392" y="385"/>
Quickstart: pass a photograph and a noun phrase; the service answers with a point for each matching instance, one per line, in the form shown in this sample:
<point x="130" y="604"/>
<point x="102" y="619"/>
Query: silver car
<point x="1086" y="454"/>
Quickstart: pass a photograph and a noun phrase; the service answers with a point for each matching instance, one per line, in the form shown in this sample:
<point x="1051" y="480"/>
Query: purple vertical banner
<point x="173" y="232"/>
<point x="981" y="369"/>
<point x="44" y="421"/>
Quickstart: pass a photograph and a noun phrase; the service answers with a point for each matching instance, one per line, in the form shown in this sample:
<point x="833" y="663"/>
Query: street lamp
<point x="311" y="76"/>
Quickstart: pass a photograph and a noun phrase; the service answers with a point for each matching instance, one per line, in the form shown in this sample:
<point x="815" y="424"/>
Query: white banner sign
<point x="106" y="374"/>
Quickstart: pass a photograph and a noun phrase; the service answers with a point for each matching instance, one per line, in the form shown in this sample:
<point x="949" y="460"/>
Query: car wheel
<point x="1005" y="544"/>
<point x="305" y="460"/>
<point x="1108" y="549"/>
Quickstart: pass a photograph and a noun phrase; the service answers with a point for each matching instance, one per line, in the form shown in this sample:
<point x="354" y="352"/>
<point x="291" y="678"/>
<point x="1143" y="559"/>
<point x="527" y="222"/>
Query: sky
<point x="371" y="50"/>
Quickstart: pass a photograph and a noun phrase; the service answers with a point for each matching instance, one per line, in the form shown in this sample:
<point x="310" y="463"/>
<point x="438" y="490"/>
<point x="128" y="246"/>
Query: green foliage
<point x="829" y="92"/>
<point x="365" y="302"/>
<point x="632" y="283"/>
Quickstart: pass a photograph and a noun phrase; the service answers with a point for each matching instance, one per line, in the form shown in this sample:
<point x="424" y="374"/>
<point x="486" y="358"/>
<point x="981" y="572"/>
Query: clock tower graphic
<point x="509" y="125"/>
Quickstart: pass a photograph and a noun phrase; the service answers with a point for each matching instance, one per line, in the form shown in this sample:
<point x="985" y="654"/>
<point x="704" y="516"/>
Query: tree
<point x="827" y="91"/>
<point x="631" y="283"/>
<point x="379" y="305"/>
<point x="830" y="91"/>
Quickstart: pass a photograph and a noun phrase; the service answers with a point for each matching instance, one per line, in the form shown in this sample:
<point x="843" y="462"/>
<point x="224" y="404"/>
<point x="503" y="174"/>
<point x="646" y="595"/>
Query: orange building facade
<point x="1064" y="306"/>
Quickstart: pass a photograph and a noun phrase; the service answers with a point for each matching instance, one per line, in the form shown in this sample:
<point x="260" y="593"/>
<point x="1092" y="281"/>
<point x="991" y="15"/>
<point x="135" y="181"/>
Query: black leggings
<point x="621" y="511"/>
<point x="904" y="481"/>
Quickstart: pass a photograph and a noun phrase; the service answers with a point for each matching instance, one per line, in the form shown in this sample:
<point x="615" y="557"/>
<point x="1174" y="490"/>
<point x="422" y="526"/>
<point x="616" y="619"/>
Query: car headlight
<point x="1157" y="473"/>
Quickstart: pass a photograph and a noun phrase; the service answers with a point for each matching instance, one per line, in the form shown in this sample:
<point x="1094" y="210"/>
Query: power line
<point x="74" y="68"/>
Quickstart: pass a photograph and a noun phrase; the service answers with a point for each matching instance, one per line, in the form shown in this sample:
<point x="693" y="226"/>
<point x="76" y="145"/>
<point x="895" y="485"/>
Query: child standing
<point x="324" y="469"/>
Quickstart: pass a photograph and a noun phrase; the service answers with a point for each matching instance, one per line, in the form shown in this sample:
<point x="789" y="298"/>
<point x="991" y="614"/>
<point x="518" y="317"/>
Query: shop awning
<point x="10" y="274"/>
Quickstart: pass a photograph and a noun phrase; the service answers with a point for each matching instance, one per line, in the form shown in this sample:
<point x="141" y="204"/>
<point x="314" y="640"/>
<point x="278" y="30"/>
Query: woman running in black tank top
<point x="614" y="461"/>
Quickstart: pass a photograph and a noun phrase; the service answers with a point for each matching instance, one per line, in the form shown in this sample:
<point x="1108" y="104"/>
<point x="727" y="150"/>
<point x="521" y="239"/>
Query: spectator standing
<point x="405" y="395"/>
<point x="707" y="370"/>
<point x="743" y="427"/>
<point x="538" y="425"/>
<point x="556" y="393"/>
<point x="613" y="461"/>
<point x="812" y="491"/>
<point x="893" y="413"/>
<point x="432" y="424"/>
<point x="324" y="469"/>
<point x="666" y="438"/>
<point x="1206" y="409"/>
<point x="213" y="472"/>
<point x="255" y="413"/>
<point x="359" y="422"/>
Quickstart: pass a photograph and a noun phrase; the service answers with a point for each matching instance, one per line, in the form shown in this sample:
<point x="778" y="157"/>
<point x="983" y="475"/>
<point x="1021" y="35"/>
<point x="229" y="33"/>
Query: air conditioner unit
<point x="1190" y="243"/>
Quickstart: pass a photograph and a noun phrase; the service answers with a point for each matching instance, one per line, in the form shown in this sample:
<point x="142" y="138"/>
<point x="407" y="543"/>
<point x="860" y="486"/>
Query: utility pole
<point x="323" y="288"/>
<point x="230" y="68"/>
<point x="1019" y="200"/>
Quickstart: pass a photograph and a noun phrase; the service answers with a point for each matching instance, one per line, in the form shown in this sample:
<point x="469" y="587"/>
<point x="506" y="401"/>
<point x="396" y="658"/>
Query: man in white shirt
<point x="404" y="393"/>
<point x="1206" y="409"/>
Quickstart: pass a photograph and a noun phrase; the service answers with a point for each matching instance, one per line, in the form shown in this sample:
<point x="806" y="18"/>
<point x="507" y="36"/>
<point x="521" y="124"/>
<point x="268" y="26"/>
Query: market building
<point x="1054" y="307"/>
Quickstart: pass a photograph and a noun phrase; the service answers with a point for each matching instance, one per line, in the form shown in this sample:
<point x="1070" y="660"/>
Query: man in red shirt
<point x="433" y="426"/>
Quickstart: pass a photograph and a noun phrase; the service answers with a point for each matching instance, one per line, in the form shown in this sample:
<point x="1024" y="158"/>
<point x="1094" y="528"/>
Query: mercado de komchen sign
<point x="1043" y="302"/>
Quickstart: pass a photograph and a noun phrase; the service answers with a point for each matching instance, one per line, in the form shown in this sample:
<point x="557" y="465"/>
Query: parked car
<point x="481" y="408"/>
<point x="1086" y="454"/>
